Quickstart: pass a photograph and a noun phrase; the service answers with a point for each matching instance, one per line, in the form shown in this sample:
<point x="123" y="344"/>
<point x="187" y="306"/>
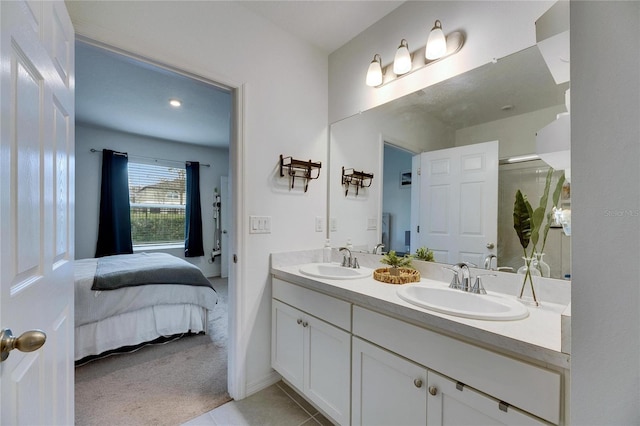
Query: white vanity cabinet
<point x="472" y="385"/>
<point x="311" y="346"/>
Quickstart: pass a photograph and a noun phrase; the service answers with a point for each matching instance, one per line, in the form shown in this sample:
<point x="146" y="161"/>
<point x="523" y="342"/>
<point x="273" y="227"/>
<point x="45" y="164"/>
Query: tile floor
<point x="276" y="405"/>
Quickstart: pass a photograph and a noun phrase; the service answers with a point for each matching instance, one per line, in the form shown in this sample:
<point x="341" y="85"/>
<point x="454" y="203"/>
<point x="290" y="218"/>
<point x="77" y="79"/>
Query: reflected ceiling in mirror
<point x="517" y="84"/>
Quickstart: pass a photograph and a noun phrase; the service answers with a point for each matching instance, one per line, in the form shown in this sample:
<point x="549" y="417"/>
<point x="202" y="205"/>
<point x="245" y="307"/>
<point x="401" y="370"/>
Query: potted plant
<point x="527" y="223"/>
<point x="423" y="253"/>
<point x="396" y="262"/>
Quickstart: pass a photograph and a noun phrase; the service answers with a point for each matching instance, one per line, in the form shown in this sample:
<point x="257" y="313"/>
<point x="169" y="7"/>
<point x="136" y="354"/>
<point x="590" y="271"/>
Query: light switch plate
<point x="319" y="224"/>
<point x="334" y="224"/>
<point x="372" y="223"/>
<point x="259" y="224"/>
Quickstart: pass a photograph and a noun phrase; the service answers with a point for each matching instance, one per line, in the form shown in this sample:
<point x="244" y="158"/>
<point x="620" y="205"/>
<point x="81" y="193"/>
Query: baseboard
<point x="263" y="383"/>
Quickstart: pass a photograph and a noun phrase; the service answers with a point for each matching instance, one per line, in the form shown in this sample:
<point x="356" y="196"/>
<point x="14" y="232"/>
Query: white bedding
<point x="110" y="319"/>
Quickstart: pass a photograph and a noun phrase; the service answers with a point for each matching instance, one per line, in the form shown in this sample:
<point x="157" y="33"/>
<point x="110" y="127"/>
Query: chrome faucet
<point x="466" y="276"/>
<point x="488" y="260"/>
<point x="462" y="278"/>
<point x="349" y="262"/>
<point x="378" y="246"/>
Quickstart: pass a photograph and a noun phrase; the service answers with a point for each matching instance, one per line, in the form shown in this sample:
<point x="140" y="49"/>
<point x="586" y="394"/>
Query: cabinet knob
<point x="433" y="390"/>
<point x="418" y="383"/>
<point x="304" y="324"/>
<point x="299" y="321"/>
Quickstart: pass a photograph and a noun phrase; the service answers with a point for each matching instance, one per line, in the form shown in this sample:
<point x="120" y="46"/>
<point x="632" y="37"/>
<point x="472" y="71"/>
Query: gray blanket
<point x="127" y="270"/>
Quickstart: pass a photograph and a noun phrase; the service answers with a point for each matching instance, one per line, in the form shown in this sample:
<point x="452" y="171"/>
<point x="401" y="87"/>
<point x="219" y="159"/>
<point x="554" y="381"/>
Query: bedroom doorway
<point x="127" y="141"/>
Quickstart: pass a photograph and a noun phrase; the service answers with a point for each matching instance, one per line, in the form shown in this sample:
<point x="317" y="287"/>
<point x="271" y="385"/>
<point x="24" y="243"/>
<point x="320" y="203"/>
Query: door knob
<point x="28" y="341"/>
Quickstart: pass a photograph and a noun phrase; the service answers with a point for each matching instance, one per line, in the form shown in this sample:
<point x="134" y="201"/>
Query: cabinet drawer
<point x="327" y="308"/>
<point x="531" y="388"/>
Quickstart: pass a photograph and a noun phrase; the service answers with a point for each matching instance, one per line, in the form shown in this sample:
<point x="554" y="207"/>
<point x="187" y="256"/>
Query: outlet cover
<point x="334" y="224"/>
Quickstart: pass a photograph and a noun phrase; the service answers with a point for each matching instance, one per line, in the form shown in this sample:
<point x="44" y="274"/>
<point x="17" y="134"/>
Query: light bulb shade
<point x="374" y="74"/>
<point x="436" y="43"/>
<point x="402" y="60"/>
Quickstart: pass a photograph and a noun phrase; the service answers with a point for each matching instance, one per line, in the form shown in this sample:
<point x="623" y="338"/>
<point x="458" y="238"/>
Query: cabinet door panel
<point x="468" y="407"/>
<point x="287" y="343"/>
<point x="384" y="388"/>
<point x="327" y="366"/>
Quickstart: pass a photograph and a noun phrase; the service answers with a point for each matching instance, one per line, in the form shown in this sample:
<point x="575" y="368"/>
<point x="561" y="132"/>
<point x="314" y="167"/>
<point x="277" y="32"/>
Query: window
<point x="157" y="195"/>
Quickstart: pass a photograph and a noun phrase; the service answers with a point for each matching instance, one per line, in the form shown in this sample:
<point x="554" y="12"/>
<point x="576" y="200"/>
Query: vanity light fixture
<point x="374" y="74"/>
<point x="436" y="43"/>
<point x="175" y="103"/>
<point x="405" y="62"/>
<point x="402" y="60"/>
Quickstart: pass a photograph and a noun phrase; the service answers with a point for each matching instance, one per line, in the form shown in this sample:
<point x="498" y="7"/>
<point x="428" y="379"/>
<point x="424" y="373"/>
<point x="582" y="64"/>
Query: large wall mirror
<point x="507" y="101"/>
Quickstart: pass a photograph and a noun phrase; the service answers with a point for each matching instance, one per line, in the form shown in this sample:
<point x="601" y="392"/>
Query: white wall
<point x="488" y="35"/>
<point x="285" y="112"/>
<point x="605" y="196"/>
<point x="88" y="177"/>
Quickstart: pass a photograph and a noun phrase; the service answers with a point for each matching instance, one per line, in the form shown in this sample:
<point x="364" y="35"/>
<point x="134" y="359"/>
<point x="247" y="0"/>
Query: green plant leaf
<point x="522" y="219"/>
<point x="545" y="194"/>
<point x="558" y="191"/>
<point x="395" y="261"/>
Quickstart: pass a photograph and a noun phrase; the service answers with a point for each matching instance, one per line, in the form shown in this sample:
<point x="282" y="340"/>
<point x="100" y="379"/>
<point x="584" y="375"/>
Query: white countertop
<point x="537" y="337"/>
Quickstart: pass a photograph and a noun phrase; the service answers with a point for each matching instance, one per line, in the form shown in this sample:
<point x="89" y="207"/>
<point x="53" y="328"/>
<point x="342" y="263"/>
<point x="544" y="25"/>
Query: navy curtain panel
<point x="193" y="246"/>
<point x="114" y="229"/>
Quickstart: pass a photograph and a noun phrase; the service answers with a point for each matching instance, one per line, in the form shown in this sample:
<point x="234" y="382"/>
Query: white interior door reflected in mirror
<point x="458" y="209"/>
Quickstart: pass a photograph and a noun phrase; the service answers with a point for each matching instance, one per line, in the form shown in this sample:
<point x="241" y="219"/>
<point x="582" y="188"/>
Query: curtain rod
<point x="154" y="159"/>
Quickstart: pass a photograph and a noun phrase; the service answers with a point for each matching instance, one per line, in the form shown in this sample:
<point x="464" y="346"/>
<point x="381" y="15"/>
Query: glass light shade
<point x="374" y="74"/>
<point x="402" y="60"/>
<point x="436" y="43"/>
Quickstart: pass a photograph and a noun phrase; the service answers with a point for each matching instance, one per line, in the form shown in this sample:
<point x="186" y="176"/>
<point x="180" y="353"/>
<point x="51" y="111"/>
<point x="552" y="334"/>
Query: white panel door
<point x="36" y="209"/>
<point x="386" y="389"/>
<point x="458" y="211"/>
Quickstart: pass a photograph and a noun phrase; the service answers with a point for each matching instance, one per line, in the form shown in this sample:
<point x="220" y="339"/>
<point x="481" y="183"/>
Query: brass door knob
<point x="433" y="390"/>
<point x="417" y="383"/>
<point x="28" y="341"/>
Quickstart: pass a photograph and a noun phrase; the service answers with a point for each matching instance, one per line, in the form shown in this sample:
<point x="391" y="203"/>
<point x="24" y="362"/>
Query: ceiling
<point x="117" y="92"/>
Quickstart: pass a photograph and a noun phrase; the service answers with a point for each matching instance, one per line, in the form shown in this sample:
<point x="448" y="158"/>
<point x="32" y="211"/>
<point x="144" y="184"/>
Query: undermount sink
<point x="489" y="306"/>
<point x="334" y="271"/>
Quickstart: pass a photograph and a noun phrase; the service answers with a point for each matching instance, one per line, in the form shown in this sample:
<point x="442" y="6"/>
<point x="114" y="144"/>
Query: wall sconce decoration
<point x="355" y="178"/>
<point x="437" y="48"/>
<point x="306" y="170"/>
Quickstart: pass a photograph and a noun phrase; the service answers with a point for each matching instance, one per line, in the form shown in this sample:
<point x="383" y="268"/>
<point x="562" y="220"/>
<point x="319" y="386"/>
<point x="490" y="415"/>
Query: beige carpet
<point x="164" y="384"/>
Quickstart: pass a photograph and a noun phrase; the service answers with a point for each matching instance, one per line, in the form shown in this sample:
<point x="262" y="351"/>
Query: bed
<point x="125" y="300"/>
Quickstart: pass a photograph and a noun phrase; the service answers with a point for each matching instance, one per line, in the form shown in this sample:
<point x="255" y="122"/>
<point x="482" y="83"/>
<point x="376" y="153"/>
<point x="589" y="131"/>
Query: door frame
<point x="236" y="368"/>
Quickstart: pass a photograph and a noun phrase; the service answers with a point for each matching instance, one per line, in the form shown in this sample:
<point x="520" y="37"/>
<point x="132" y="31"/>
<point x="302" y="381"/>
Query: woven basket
<point x="406" y="276"/>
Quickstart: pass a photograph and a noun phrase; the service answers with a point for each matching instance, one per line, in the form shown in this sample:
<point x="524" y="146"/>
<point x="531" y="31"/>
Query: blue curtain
<point x="193" y="246"/>
<point x="114" y="229"/>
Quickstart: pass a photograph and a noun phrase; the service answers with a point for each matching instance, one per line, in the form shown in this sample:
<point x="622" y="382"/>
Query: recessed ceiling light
<point x="174" y="103"/>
